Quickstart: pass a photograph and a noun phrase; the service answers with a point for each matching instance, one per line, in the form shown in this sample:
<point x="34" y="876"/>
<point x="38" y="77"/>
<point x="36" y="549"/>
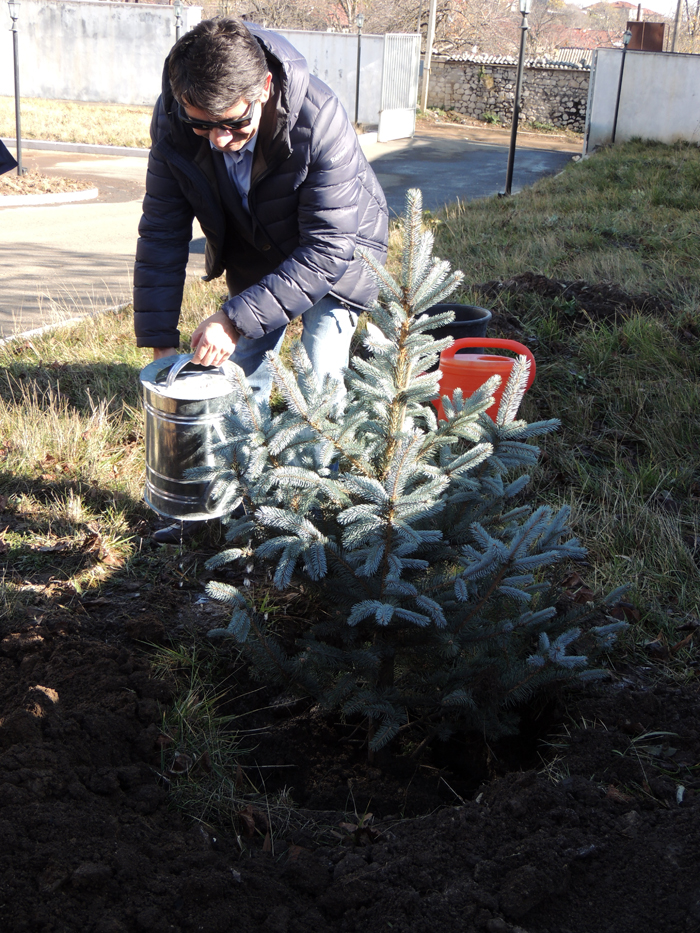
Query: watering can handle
<point x="177" y="367"/>
<point x="489" y="343"/>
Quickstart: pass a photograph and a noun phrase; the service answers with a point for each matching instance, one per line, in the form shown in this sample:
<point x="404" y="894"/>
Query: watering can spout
<point x="469" y="371"/>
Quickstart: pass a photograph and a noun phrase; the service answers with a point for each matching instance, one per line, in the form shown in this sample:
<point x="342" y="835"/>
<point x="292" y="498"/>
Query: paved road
<point x="66" y="260"/>
<point x="62" y="261"/>
<point x="450" y="163"/>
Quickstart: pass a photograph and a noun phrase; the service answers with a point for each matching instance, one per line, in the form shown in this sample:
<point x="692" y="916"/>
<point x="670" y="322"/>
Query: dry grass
<point x="78" y="122"/>
<point x="72" y="396"/>
<point x="72" y="457"/>
<point x="36" y="183"/>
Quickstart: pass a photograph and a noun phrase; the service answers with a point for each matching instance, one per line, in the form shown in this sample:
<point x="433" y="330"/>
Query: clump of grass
<point x="197" y="734"/>
<point x="206" y="759"/>
<point x="78" y="122"/>
<point x="63" y="537"/>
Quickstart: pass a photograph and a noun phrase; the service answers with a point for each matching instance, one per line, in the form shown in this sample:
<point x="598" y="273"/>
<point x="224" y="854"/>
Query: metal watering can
<point x="469" y="371"/>
<point x="185" y="406"/>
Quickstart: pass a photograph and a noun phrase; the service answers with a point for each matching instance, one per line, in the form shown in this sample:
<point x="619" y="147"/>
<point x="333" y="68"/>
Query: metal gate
<point x="397" y="109"/>
<point x="383" y="92"/>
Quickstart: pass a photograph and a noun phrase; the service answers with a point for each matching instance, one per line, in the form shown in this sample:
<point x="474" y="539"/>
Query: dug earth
<point x="594" y="832"/>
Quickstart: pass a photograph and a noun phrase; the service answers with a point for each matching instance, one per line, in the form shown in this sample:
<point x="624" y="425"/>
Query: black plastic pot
<point x="470" y="321"/>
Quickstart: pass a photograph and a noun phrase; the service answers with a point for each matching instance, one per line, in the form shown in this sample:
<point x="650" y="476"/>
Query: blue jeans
<point x="328" y="330"/>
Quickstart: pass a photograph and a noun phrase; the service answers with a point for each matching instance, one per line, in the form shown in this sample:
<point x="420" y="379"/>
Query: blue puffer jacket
<point x="313" y="200"/>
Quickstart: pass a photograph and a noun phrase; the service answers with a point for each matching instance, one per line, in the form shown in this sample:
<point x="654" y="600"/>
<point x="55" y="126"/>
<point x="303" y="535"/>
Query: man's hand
<point x="160" y="352"/>
<point x="214" y="340"/>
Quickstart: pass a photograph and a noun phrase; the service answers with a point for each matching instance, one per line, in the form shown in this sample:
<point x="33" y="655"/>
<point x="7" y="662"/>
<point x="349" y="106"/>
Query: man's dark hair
<point x="216" y="65"/>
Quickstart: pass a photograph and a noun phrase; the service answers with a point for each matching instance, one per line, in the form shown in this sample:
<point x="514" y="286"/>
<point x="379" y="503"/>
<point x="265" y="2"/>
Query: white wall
<point x="90" y="50"/>
<point x="659" y="99"/>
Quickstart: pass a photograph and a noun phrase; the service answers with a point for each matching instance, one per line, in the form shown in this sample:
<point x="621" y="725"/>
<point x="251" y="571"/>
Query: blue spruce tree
<point x="437" y="612"/>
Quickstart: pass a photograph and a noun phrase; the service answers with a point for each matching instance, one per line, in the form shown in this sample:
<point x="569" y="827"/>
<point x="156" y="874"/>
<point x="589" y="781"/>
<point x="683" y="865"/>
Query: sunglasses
<point x="236" y="124"/>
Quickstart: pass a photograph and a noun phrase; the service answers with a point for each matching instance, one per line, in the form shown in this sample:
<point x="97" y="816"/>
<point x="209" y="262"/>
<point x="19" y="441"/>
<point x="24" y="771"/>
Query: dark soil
<point x="589" y="826"/>
<point x="577" y="303"/>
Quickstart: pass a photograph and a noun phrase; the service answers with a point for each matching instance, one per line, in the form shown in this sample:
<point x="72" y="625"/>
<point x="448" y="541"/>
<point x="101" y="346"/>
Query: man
<point x="263" y="154"/>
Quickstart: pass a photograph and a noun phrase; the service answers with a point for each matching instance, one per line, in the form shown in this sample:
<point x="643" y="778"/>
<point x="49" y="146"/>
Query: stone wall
<point x="550" y="93"/>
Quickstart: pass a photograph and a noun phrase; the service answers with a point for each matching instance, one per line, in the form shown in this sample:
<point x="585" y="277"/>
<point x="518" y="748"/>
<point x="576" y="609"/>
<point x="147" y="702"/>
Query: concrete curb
<point x="63" y="197"/>
<point x="37" y="331"/>
<point x="77" y="147"/>
<point x="89" y="148"/>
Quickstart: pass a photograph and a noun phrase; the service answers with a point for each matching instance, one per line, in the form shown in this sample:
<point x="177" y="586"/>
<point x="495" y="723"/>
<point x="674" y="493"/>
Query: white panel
<point x="96" y="50"/>
<point x="397" y="119"/>
<point x="659" y="98"/>
<point x="396" y="124"/>
<point x="332" y="57"/>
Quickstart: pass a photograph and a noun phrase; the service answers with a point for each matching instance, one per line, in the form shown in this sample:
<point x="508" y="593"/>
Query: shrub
<point x="436" y="612"/>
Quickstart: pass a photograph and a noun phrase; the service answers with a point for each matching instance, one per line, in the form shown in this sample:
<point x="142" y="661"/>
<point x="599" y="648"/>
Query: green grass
<point x="628" y="216"/>
<point x="72" y="457"/>
<point x="206" y="753"/>
<point x="626" y="389"/>
<point x="78" y="122"/>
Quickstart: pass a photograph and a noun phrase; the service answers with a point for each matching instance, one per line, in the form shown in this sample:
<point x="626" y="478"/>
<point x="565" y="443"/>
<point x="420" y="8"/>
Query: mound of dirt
<point x="579" y="302"/>
<point x="599" y="837"/>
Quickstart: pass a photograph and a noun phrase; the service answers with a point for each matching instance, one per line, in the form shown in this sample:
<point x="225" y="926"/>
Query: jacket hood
<point x="290" y="75"/>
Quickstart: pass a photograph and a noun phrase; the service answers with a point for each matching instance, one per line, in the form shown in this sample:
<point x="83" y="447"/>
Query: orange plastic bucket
<point x="469" y="371"/>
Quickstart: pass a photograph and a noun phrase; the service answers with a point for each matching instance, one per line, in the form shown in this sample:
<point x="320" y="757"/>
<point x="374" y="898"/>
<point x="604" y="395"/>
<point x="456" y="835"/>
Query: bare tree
<point x="463" y="27"/>
<point x="688" y="39"/>
<point x="610" y="19"/>
<point x="348" y="10"/>
<point x="280" y="14"/>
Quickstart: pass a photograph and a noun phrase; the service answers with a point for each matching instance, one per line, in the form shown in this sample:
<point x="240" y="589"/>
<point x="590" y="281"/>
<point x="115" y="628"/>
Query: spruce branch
<point x="514" y="391"/>
<point x="385" y="280"/>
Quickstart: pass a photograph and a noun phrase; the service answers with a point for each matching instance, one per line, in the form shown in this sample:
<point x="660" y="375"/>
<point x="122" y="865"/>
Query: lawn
<point x="617" y="357"/>
<point x="78" y="122"/>
<point x="597" y="270"/>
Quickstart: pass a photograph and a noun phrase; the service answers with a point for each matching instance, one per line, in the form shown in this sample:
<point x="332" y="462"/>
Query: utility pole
<point x="430" y="38"/>
<point x="675" y="25"/>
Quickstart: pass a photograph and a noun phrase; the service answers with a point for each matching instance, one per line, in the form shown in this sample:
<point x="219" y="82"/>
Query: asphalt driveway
<point x="451" y="162"/>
